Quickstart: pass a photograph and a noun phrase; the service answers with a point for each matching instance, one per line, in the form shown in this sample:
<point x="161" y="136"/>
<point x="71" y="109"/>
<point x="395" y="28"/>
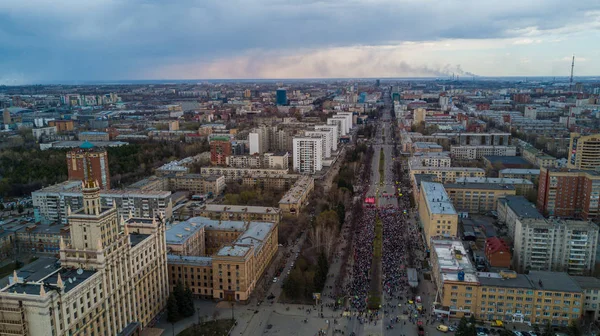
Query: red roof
<point x="495" y="244"/>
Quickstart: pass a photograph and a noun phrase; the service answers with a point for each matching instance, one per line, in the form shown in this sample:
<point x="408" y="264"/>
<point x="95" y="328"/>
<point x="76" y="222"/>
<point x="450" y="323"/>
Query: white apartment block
<point x="334" y="134"/>
<point x="308" y="154"/>
<point x="244" y="161"/>
<point x="348" y="121"/>
<point x="258" y="140"/>
<point x="326" y="136"/>
<point x="433" y="159"/>
<point x="555" y="245"/>
<point x="349" y="116"/>
<point x="477" y="152"/>
<point x="340" y="123"/>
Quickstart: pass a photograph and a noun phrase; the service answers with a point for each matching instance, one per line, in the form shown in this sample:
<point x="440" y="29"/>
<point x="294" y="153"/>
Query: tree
<point x="186" y="307"/>
<point x="536" y="330"/>
<point x="321" y="273"/>
<point x="20" y="208"/>
<point x="574" y="329"/>
<point x="462" y="328"/>
<point x="1" y="206"/>
<point x="548" y="330"/>
<point x="172" y="309"/>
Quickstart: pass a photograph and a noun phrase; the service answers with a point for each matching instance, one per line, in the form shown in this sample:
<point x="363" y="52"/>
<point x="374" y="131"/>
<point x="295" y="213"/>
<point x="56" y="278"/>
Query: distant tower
<point x="6" y="117"/>
<point x="571" y="80"/>
<point x="89" y="163"/>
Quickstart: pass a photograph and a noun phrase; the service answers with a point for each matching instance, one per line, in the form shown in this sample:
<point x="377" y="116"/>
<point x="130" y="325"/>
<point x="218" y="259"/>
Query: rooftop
<point x="239" y="209"/>
<point x="587" y="282"/>
<point x="493" y="180"/>
<point x="189" y="260"/>
<point x="437" y="199"/>
<point x="484" y="186"/>
<point x="136" y="238"/>
<point x="520" y="171"/>
<point x="497" y="280"/>
<point x="507" y="159"/>
<point x="521" y="206"/>
<point x="452" y="258"/>
<point x="297" y="191"/>
<point x="553" y="281"/>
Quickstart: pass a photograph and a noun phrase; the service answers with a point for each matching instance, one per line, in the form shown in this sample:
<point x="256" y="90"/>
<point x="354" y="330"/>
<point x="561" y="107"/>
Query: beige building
<point x="532" y="175"/>
<point x="236" y="174"/>
<point x="478" y="152"/>
<point x="447" y="174"/>
<point x="538" y="297"/>
<point x="237" y="212"/>
<point x="282" y="182"/>
<point x="477" y="197"/>
<point x="436" y="212"/>
<point x="235" y="256"/>
<point x="108" y="278"/>
<point x="584" y="151"/>
<point x="521" y="186"/>
<point x="296" y="197"/>
<point x="538" y="158"/>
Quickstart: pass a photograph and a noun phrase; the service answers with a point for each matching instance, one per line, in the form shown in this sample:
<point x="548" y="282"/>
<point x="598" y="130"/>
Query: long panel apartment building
<point x="569" y="193"/>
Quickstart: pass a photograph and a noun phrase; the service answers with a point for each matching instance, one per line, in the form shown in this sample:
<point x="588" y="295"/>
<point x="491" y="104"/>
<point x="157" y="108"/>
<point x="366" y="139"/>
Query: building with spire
<point x="110" y="276"/>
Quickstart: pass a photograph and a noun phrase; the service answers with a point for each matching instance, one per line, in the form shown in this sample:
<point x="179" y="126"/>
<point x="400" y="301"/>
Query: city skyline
<point x="140" y="40"/>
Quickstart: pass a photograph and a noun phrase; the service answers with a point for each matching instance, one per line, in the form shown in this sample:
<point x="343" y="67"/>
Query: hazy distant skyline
<point x="186" y="39"/>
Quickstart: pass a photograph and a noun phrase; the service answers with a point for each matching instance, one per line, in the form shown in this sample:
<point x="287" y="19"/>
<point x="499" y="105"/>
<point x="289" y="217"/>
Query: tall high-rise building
<point x="89" y="162"/>
<point x="6" y="117"/>
<point x="281" y="97"/>
<point x="584" y="151"/>
<point x="569" y="193"/>
<point x="333" y="130"/>
<point x="220" y="149"/>
<point x="258" y="140"/>
<point x="308" y="155"/>
<point x="327" y="139"/>
<point x="107" y="280"/>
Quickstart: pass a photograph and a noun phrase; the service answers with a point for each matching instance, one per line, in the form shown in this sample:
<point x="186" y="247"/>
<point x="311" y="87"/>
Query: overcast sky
<point x="44" y="40"/>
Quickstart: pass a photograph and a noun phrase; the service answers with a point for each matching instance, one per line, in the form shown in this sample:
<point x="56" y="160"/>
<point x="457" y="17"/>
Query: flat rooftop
<point x="452" y="258"/>
<point x="493" y="180"/>
<point x="553" y="281"/>
<point x="239" y="209"/>
<point x="481" y="186"/>
<point x="587" y="282"/>
<point x="520" y="171"/>
<point x="521" y="207"/>
<point x="437" y="199"/>
<point x="136" y="238"/>
<point x="189" y="260"/>
<point x="298" y="190"/>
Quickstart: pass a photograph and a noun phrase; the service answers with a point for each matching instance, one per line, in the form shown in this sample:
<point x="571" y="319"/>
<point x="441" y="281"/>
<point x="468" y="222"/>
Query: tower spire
<point x="571" y="79"/>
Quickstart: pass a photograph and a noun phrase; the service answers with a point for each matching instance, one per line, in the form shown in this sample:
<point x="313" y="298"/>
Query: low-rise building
<point x="296" y="197"/>
<point x="532" y="175"/>
<point x="538" y="158"/>
<point x="537" y="298"/>
<point x="39" y="133"/>
<point x="447" y="174"/>
<point x="93" y="136"/>
<point x="436" y="212"/>
<point x="238" y="174"/>
<point x="237" y="212"/>
<point x="591" y="291"/>
<point x="477" y="197"/>
<point x="478" y="152"/>
<point x="282" y="182"/>
<point x="522" y="186"/>
<point x="497" y="252"/>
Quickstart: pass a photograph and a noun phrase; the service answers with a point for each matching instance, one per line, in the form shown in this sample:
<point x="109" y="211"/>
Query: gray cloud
<point x="112" y="39"/>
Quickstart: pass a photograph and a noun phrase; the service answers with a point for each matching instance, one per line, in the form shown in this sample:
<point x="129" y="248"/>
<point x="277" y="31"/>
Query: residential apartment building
<point x="522" y="186"/>
<point x="497" y="252"/>
<point x="220" y="149"/>
<point x="235" y="256"/>
<point x="267" y="160"/>
<point x="54" y="203"/>
<point x="538" y="158"/>
<point x="477" y="197"/>
<point x="478" y="152"/>
<point x="308" y="155"/>
<point x="340" y="123"/>
<point x="197" y="183"/>
<point x="441" y="159"/>
<point x="447" y="174"/>
<point x="513" y="208"/>
<point x="569" y="193"/>
<point x="326" y="143"/>
<point x="62" y="125"/>
<point x="537" y="298"/>
<point x="93" y="136"/>
<point x="584" y="151"/>
<point x="107" y="279"/>
<point x="436" y="212"/>
<point x="237" y="212"/>
<point x="39" y="133"/>
<point x="79" y="170"/>
<point x="555" y="245"/>
<point x="293" y="200"/>
<point x="333" y="131"/>
<point x="591" y="291"/>
<point x="282" y="182"/>
<point x="237" y="174"/>
<point x="532" y="175"/>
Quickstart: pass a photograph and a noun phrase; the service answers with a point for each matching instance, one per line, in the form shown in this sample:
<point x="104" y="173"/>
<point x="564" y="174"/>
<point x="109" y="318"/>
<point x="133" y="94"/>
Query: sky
<point x="52" y="41"/>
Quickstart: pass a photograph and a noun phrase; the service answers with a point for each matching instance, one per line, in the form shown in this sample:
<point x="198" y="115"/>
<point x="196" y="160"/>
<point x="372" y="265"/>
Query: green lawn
<point x="210" y="328"/>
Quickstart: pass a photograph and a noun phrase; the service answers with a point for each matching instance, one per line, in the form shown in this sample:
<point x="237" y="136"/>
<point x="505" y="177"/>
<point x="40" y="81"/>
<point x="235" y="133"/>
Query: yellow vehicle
<point x="442" y="328"/>
<point x="497" y="323"/>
